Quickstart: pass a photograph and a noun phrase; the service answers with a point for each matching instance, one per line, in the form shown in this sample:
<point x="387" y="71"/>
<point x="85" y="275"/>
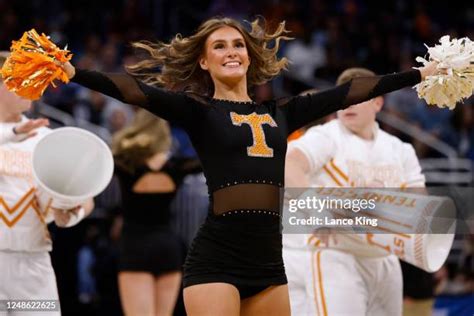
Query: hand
<point x="62" y="217"/>
<point x="28" y="129"/>
<point x="431" y="69"/>
<point x="68" y="68"/>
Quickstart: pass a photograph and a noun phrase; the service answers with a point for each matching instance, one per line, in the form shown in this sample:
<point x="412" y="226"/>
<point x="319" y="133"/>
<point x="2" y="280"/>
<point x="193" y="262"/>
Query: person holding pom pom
<point x="27" y="273"/>
<point x="235" y="265"/>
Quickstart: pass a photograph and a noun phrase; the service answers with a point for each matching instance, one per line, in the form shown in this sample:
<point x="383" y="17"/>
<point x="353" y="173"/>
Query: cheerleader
<point x="235" y="263"/>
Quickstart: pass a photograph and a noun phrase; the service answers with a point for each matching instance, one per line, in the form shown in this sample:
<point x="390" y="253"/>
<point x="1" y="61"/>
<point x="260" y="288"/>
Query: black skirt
<point x="243" y="249"/>
<point x="156" y="250"/>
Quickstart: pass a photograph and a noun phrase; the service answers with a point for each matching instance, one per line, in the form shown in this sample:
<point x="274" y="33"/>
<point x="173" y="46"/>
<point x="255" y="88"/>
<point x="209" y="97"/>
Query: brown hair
<point x="179" y="60"/>
<point x="144" y="137"/>
<point x="352" y="73"/>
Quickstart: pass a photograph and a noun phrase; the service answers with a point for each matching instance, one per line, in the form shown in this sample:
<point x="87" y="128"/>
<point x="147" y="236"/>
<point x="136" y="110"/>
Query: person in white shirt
<point x="350" y="151"/>
<point x="25" y="264"/>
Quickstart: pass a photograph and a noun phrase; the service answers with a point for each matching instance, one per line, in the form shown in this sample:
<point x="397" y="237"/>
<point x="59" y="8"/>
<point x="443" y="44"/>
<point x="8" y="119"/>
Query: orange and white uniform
<point x="25" y="264"/>
<point x="325" y="281"/>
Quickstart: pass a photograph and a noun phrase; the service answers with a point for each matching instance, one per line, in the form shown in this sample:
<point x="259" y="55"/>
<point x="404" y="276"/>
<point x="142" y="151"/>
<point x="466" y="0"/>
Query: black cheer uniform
<point x="147" y="243"/>
<point x="242" y="147"/>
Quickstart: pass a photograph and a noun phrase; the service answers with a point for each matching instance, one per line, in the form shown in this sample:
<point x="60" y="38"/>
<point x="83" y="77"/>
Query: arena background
<point x="330" y="36"/>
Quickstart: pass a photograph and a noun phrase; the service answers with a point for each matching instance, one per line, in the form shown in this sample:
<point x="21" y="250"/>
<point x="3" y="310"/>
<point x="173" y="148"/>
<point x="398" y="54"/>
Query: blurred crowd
<point x="329" y="36"/>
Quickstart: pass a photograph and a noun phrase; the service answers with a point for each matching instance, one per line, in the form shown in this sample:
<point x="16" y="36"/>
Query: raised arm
<point x="173" y="107"/>
<point x="301" y="110"/>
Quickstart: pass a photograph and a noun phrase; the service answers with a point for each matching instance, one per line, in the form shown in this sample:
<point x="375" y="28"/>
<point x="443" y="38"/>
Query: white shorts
<point x="27" y="276"/>
<point x="334" y="283"/>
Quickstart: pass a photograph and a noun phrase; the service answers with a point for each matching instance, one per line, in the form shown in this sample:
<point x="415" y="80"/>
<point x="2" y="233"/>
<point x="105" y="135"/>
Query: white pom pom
<point x="456" y="58"/>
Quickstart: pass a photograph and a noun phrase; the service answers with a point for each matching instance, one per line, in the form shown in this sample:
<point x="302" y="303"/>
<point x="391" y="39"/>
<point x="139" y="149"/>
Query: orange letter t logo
<point x="259" y="147"/>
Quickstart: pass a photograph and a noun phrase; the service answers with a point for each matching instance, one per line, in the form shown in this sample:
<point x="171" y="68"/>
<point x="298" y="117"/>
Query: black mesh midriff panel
<point x="246" y="197"/>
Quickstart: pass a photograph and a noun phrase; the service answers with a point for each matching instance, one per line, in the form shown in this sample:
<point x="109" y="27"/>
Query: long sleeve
<point x="301" y="110"/>
<point x="173" y="107"/>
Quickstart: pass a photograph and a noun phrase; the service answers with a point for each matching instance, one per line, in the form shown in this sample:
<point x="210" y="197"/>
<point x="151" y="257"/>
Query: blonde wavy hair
<point x="146" y="136"/>
<point x="179" y="59"/>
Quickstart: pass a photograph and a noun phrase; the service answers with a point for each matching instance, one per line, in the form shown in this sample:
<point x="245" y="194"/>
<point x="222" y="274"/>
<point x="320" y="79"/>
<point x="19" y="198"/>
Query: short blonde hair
<point x="352" y="73"/>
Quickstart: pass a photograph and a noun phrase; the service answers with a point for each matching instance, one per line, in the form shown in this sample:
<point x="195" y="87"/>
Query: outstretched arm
<point x="301" y="110"/>
<point x="174" y="107"/>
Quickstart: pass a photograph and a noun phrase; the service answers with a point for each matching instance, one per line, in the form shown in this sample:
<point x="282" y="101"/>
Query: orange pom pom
<point x="34" y="63"/>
